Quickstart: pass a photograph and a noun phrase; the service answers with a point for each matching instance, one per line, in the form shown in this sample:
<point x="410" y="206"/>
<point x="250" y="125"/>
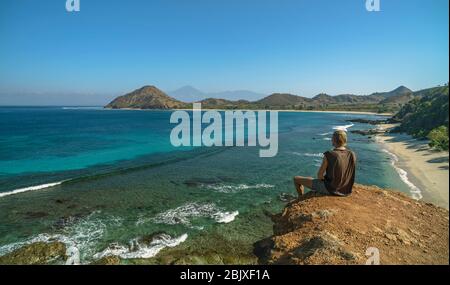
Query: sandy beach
<point x="426" y="169"/>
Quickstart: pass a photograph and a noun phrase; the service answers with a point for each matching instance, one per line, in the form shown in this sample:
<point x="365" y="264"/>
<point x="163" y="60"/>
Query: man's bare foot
<point x="300" y="190"/>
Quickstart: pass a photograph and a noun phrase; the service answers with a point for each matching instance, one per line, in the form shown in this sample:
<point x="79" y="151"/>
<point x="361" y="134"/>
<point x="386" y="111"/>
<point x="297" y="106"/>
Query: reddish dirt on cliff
<point x="339" y="230"/>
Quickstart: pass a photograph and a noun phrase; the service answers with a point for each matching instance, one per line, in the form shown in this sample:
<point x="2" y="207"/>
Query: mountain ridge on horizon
<point x="150" y="97"/>
<point x="190" y="94"/>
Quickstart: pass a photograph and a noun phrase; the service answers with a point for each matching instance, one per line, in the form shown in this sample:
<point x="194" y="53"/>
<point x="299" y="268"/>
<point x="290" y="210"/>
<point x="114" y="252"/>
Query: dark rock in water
<point x="35" y="215"/>
<point x="147" y="239"/>
<point x="286" y="197"/>
<point x="36" y="254"/>
<point x="267" y="213"/>
<point x="366" y="121"/>
<point x="67" y="221"/>
<point x="107" y="260"/>
<point x="368" y="132"/>
<point x="225" y="178"/>
<point x="61" y="201"/>
<point x="192" y="183"/>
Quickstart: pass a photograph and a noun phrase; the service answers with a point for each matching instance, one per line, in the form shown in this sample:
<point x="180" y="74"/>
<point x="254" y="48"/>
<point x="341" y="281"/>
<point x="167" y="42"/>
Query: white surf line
<point x="343" y="128"/>
<point x="31" y="188"/>
<point x="416" y="193"/>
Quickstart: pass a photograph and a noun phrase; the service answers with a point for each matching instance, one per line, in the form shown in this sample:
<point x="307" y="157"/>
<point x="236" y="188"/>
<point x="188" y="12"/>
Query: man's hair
<point x="340" y="138"/>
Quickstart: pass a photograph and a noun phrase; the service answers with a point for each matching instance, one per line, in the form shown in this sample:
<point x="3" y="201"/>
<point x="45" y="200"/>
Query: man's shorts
<point x="319" y="186"/>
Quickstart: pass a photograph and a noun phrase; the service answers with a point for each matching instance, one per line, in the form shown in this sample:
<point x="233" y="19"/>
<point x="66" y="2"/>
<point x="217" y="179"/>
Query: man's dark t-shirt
<point x="340" y="173"/>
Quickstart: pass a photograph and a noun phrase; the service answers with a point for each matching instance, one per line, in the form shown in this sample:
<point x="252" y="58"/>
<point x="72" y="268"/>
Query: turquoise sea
<point x="109" y="182"/>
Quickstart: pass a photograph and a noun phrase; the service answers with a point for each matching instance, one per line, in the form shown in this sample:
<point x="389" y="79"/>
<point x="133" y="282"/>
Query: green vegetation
<point x="426" y="116"/>
<point x="150" y="97"/>
<point x="439" y="138"/>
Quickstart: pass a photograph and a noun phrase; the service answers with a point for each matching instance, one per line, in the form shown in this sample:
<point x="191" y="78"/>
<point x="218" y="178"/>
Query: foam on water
<point x="343" y="128"/>
<point x="317" y="162"/>
<point x="416" y="193"/>
<point x="236" y="188"/>
<point x="31" y="188"/>
<point x="325" y="134"/>
<point x="225" y="217"/>
<point x="80" y="237"/>
<point x="306" y="154"/>
<point x="190" y="211"/>
<point x="137" y="249"/>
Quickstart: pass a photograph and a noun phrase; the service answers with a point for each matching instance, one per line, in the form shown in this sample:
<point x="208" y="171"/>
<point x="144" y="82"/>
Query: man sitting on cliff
<point x="336" y="175"/>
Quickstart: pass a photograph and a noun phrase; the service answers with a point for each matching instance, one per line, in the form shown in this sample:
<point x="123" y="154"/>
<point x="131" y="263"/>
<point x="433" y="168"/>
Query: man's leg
<point x="300" y="182"/>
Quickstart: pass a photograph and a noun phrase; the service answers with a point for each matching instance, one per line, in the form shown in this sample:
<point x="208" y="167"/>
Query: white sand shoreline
<point x="426" y="169"/>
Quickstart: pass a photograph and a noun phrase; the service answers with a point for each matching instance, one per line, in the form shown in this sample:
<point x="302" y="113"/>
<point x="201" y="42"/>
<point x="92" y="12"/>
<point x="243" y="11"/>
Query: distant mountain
<point x="147" y="97"/>
<point x="188" y="94"/>
<point x="388" y="100"/>
<point x="237" y="95"/>
<point x="191" y="94"/>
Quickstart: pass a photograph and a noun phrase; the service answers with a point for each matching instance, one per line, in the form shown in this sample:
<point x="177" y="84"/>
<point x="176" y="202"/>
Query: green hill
<point x="147" y="97"/>
<point x="150" y="97"/>
<point x="426" y="116"/>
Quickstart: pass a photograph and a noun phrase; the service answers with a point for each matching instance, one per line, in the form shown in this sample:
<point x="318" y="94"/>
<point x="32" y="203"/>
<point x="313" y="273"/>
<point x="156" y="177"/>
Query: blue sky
<point x="305" y="47"/>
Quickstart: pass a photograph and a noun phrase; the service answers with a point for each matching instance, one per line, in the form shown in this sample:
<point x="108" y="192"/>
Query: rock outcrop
<point x="311" y="230"/>
<point x="38" y="253"/>
<point x="337" y="230"/>
<point x="147" y="97"/>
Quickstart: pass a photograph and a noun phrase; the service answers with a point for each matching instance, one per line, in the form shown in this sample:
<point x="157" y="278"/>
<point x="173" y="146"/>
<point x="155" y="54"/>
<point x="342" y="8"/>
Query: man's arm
<point x="322" y="169"/>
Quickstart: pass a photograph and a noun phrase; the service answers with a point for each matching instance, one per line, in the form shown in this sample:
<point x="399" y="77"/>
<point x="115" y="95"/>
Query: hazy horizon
<point x="103" y="99"/>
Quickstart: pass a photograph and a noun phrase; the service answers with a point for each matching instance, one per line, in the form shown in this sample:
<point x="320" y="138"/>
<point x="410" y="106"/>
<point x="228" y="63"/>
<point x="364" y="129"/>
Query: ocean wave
<point x="31" y="188"/>
<point x="186" y="213"/>
<point x="317" y="162"/>
<point x="223" y="188"/>
<point x="80" y="238"/>
<point x="139" y="249"/>
<point x="343" y="128"/>
<point x="325" y="134"/>
<point x="308" y="154"/>
<point x="225" y="217"/>
<point x="416" y="193"/>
